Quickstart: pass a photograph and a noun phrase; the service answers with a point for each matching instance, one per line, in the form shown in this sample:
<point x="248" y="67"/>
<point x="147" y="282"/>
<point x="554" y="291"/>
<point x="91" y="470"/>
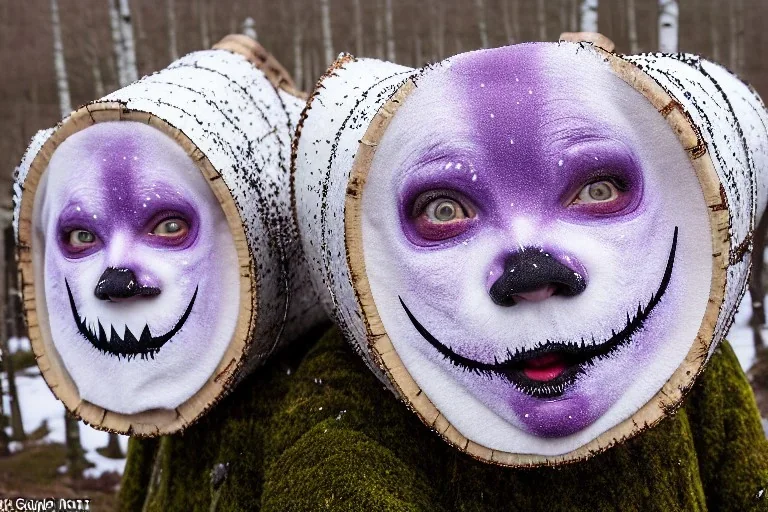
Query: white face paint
<point x="140" y="268"/>
<point x="596" y="207"/>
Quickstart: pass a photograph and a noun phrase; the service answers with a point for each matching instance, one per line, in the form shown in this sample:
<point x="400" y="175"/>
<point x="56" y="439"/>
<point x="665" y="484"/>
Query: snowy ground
<point x="38" y="404"/>
<point x="740" y="335"/>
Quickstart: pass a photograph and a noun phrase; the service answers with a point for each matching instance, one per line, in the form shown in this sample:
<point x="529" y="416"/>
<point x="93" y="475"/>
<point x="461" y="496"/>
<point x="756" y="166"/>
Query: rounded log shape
<point x="419" y="191"/>
<point x="199" y="286"/>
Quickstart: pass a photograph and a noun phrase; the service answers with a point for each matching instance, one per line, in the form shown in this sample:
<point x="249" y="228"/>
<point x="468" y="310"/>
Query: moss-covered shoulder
<point x="709" y="455"/>
<point x="329" y="436"/>
<point x="217" y="463"/>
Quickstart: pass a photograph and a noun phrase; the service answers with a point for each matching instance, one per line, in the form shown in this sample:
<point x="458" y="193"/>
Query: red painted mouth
<point x="545" y="368"/>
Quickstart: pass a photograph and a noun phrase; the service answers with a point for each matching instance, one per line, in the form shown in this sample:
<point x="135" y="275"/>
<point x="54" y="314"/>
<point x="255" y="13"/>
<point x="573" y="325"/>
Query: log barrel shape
<point x="225" y="117"/>
<point x="420" y="284"/>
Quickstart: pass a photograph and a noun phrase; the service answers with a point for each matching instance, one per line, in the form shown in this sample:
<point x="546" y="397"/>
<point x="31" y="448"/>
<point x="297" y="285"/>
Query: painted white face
<point x="139" y="265"/>
<point x="537" y="246"/>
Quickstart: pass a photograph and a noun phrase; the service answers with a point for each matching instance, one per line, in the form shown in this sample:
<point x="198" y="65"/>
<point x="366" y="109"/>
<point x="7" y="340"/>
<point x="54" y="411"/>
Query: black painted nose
<point x="532" y="269"/>
<point x="121" y="283"/>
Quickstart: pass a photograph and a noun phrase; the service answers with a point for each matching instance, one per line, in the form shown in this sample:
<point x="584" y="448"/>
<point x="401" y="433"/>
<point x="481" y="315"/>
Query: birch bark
<point x="588" y="16"/>
<point x="668" y="22"/>
<point x="170" y="13"/>
<point x="390" y="30"/>
<point x="325" y="18"/>
<point x="128" y="46"/>
<point x="482" y="26"/>
<point x="62" y="84"/>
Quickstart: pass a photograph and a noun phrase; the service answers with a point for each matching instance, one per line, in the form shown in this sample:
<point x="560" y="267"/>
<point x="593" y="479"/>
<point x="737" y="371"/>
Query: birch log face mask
<point x="532" y="238"/>
<point x="140" y="267"/>
<point x="154" y="237"/>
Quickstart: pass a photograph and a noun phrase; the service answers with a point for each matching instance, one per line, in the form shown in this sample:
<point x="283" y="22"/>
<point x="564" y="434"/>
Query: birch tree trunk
<point x="248" y="28"/>
<point x="170" y="14"/>
<point x="17" y="426"/>
<point x="668" y="22"/>
<point x="325" y="18"/>
<point x="390" y="30"/>
<point x="76" y="461"/>
<point x="482" y="26"/>
<point x="98" y="81"/>
<point x="117" y="43"/>
<point x="298" y="40"/>
<point x="632" y="27"/>
<point x="358" y="29"/>
<point x="588" y="16"/>
<point x="128" y="46"/>
<point x="541" y="19"/>
<point x="65" y="103"/>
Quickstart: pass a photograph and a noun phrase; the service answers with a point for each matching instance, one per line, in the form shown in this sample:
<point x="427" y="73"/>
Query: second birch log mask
<point x="536" y="247"/>
<point x="159" y="258"/>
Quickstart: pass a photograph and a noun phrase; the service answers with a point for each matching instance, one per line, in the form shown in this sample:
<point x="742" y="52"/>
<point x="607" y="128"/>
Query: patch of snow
<point x="38" y="403"/>
<point x="19" y="344"/>
<point x="740" y="335"/>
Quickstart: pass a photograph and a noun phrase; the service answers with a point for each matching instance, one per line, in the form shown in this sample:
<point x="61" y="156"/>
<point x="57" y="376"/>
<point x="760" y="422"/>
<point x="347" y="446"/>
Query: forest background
<point x="58" y="54"/>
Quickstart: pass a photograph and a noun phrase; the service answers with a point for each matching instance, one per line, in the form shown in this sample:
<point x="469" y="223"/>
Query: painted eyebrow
<point x="434" y="152"/>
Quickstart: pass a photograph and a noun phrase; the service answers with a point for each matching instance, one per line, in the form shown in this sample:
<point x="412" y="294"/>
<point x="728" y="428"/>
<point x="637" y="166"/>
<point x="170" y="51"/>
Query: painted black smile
<point x="127" y="346"/>
<point x="577" y="356"/>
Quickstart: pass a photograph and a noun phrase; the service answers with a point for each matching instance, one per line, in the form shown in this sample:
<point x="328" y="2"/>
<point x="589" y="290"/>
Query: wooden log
<point x="369" y="124"/>
<point x="229" y="115"/>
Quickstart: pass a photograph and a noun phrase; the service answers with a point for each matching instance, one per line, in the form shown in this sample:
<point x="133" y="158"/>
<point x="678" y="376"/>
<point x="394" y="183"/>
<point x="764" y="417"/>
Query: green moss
<point x="138" y="468"/>
<point x="331" y="437"/>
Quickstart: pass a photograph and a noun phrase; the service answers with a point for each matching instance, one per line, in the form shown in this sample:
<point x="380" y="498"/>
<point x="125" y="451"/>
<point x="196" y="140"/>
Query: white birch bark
<point x="388" y="19"/>
<point x="632" y="27"/>
<point x="248" y="28"/>
<point x="128" y="47"/>
<point x="541" y="19"/>
<point x="170" y="13"/>
<point x="668" y="21"/>
<point x="98" y="81"/>
<point x="62" y="84"/>
<point x="482" y="26"/>
<point x="325" y="19"/>
<point x="588" y="21"/>
<point x="117" y="43"/>
<point x="298" y="40"/>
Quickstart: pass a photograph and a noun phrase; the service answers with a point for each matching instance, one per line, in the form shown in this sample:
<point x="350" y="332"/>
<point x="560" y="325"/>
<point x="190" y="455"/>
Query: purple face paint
<point x="562" y="173"/>
<point x="141" y="274"/>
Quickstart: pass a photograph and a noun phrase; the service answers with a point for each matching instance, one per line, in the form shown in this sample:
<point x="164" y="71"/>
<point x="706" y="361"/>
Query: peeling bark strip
<point x="232" y="111"/>
<point x="719" y="121"/>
